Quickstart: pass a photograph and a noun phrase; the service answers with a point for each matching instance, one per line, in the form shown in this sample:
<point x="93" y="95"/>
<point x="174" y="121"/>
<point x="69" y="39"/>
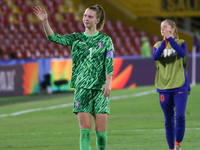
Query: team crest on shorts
<point x="77" y="105"/>
<point x="100" y="44"/>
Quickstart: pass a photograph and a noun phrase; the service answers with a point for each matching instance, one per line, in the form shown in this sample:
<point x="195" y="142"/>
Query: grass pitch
<point x="46" y="122"/>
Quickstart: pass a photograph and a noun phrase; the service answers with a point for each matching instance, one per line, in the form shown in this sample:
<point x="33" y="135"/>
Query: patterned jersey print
<point x="92" y="57"/>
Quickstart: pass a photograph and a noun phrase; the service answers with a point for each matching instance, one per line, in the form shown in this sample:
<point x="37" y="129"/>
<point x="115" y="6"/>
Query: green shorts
<point x="90" y="101"/>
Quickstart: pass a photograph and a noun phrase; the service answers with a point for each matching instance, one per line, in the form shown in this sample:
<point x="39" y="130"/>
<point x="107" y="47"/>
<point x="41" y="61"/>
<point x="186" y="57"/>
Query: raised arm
<point x="180" y="49"/>
<point x="42" y="16"/>
<point x="157" y="52"/>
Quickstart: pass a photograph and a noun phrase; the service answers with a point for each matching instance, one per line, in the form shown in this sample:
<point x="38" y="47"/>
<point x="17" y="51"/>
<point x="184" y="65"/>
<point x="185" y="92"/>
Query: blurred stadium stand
<point x="22" y="35"/>
<point x="146" y="15"/>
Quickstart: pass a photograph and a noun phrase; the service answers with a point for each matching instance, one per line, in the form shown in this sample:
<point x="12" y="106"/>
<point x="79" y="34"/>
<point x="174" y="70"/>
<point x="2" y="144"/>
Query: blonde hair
<point x="173" y="25"/>
<point x="100" y="15"/>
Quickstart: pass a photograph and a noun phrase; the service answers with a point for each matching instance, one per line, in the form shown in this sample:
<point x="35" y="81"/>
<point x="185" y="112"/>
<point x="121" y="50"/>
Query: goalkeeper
<point x="92" y="70"/>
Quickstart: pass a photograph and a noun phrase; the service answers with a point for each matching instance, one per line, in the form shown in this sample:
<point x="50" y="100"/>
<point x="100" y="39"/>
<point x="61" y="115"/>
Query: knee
<point x="180" y="121"/>
<point x="85" y="126"/>
<point x="169" y="123"/>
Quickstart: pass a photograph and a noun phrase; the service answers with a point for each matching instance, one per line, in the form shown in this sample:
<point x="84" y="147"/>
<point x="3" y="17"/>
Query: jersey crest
<point x="100" y="44"/>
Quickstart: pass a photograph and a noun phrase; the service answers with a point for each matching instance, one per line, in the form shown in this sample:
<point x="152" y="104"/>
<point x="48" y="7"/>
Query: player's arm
<point x="109" y="68"/>
<point x="181" y="50"/>
<point x="60" y="39"/>
<point x="42" y="16"/>
<point x="157" y="52"/>
<point x="107" y="86"/>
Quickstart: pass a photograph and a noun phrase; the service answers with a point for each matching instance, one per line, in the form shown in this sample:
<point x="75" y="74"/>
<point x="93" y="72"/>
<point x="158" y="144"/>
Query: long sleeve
<point x="109" y="57"/>
<point x="157" y="52"/>
<point x="181" y="50"/>
<point x="62" y="39"/>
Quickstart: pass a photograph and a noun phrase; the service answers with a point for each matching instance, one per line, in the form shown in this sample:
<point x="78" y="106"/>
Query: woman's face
<point x="90" y="18"/>
<point x="165" y="27"/>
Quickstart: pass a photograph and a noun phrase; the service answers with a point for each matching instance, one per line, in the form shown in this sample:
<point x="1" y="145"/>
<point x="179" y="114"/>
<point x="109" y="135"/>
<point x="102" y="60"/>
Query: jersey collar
<point x="90" y="35"/>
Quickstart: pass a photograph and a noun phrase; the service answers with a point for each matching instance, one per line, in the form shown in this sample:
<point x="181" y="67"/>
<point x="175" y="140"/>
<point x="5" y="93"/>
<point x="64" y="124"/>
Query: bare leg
<point x="85" y="121"/>
<point x="100" y="121"/>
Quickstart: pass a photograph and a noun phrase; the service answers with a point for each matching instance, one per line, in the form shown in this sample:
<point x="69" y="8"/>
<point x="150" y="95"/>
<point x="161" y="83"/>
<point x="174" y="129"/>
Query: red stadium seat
<point x="5" y="9"/>
<point x="6" y="56"/>
<point x="3" y="19"/>
<point x="64" y="53"/>
<point x="27" y="54"/>
<point x="3" y="48"/>
<point x="69" y="17"/>
<point x="37" y="53"/>
<point x="21" y="18"/>
<point x="52" y="9"/>
<point x="18" y="54"/>
<point x="19" y="2"/>
<point x="47" y="54"/>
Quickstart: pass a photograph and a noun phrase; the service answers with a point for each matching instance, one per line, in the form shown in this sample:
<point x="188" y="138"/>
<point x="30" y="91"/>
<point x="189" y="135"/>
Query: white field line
<point x="71" y="104"/>
<point x="113" y="131"/>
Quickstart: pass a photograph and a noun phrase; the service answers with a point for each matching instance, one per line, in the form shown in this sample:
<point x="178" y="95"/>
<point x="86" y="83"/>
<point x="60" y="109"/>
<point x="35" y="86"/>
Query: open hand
<point x="41" y="14"/>
<point x="107" y="90"/>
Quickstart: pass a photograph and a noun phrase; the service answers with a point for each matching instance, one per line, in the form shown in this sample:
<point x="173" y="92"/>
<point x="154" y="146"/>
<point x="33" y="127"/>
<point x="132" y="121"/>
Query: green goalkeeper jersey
<point x="92" y="57"/>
